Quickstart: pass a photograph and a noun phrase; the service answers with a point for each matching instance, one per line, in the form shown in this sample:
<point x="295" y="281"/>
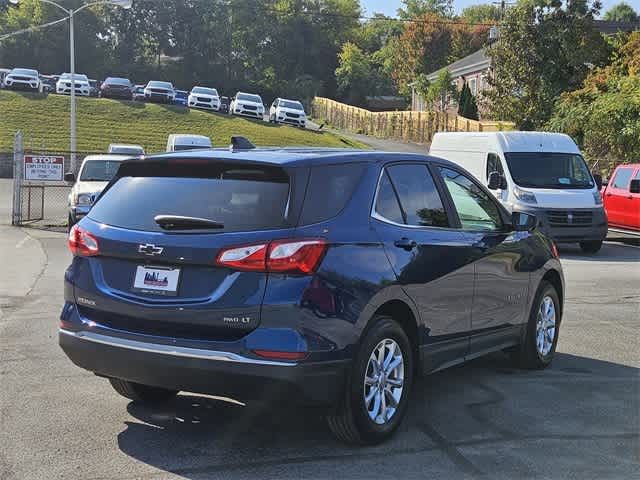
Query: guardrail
<point x="414" y="126"/>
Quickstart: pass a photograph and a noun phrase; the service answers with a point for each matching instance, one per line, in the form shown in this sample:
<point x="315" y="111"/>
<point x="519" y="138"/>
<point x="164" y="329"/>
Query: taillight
<point x="82" y="243"/>
<point x="554" y="250"/>
<point x="283" y="256"/>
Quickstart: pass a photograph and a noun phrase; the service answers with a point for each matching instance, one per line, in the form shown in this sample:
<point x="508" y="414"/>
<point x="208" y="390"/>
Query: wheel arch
<point x="553" y="277"/>
<point x="402" y="313"/>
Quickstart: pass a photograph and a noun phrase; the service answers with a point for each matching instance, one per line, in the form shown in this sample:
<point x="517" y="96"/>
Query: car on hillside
<point x="3" y="73"/>
<point x="205" y="98"/>
<point x="117" y="87"/>
<point x="183" y="141"/>
<point x="181" y="98"/>
<point x="323" y="277"/>
<point x="247" y="105"/>
<point x="542" y="173"/>
<point x="48" y="83"/>
<point x="80" y="83"/>
<point x="138" y="93"/>
<point x="126" y="149"/>
<point x="224" y="104"/>
<point x="94" y="88"/>
<point x="288" y="111"/>
<point x="621" y="197"/>
<point x="95" y="172"/>
<point x="23" y="79"/>
<point x="161" y="92"/>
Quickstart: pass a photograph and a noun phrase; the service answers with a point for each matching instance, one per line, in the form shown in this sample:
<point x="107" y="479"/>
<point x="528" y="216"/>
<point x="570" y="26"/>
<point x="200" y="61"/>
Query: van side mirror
<point x="496" y="181"/>
<point x="634" y="186"/>
<point x="598" y="179"/>
<point x="69" y="177"/>
<point x="523" y="222"/>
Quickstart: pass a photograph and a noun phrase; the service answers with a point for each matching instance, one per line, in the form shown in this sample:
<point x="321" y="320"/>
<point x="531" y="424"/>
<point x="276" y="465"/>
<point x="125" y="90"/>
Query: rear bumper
<point x="206" y="371"/>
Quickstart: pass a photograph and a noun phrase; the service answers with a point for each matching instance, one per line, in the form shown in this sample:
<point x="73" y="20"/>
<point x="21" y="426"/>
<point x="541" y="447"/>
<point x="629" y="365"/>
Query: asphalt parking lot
<point x="579" y="419"/>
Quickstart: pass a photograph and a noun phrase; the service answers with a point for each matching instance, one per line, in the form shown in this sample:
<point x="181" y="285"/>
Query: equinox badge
<point x="150" y="249"/>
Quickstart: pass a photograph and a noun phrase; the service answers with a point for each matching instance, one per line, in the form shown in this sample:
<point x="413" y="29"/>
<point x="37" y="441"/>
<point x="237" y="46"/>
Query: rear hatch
<point x="156" y="273"/>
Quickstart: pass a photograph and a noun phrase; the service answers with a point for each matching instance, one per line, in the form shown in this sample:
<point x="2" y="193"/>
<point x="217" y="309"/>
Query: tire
<point x="352" y="421"/>
<point x="532" y="354"/>
<point x="141" y="393"/>
<point x="591" y="246"/>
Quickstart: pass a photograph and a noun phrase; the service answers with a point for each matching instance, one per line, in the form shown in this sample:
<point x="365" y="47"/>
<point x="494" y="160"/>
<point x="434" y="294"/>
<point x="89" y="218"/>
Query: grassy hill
<point x="44" y="121"/>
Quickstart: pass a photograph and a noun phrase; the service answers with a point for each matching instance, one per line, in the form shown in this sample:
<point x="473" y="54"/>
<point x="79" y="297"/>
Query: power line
<point x="33" y="29"/>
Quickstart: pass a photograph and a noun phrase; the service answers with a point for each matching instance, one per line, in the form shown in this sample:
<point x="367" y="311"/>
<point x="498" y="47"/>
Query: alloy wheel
<point x="384" y="381"/>
<point x="545" y="326"/>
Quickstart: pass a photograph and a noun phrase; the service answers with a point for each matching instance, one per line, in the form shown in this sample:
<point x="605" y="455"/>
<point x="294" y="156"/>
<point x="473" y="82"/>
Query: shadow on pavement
<point x="485" y="403"/>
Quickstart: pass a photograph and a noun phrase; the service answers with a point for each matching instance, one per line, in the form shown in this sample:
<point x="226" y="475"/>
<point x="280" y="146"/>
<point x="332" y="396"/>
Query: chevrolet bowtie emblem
<point x="150" y="249"/>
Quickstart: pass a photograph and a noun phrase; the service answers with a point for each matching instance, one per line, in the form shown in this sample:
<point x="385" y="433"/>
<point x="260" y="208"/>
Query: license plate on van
<point x="157" y="280"/>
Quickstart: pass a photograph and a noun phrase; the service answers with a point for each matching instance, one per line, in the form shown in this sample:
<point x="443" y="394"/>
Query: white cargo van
<point x="534" y="172"/>
<point x="177" y="142"/>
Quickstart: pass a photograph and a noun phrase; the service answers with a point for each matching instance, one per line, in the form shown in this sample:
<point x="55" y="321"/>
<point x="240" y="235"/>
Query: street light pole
<point x="72" y="112"/>
<point x="126" y="4"/>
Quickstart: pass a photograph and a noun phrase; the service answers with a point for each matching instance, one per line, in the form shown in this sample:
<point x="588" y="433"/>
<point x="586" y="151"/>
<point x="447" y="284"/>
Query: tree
<point x="604" y="114"/>
<point x="536" y="58"/>
<point x="467" y="106"/>
<point x="418" y="8"/>
<point x="621" y="12"/>
<point x="439" y="90"/>
<point x="481" y="14"/>
<point x="429" y="44"/>
<point x="353" y="74"/>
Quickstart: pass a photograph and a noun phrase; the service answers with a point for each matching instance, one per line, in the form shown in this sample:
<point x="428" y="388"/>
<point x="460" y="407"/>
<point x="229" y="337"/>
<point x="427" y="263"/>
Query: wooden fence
<point x="412" y="126"/>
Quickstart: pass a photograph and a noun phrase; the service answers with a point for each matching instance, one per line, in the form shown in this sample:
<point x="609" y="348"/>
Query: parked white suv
<point x="125" y="149"/>
<point x="247" y="105"/>
<point x="96" y="171"/>
<point x="23" y="79"/>
<point x="204" y="97"/>
<point x="80" y="81"/>
<point x="178" y="142"/>
<point x="287" y="111"/>
<point x="162" y="92"/>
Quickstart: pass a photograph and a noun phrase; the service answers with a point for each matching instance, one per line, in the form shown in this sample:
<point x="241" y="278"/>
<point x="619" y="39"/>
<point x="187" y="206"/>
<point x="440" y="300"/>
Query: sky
<point x="389" y="7"/>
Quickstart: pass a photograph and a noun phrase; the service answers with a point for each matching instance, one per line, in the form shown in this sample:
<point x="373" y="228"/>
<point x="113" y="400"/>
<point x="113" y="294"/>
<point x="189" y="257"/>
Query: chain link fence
<point x="40" y="194"/>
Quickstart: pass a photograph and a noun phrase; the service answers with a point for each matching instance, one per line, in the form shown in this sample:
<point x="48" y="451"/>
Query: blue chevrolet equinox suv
<point x="321" y="277"/>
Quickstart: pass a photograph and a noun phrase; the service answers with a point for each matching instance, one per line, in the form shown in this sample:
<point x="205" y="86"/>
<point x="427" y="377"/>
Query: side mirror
<point x="523" y="222"/>
<point x="598" y="179"/>
<point x="634" y="186"/>
<point x="69" y="177"/>
<point x="496" y="181"/>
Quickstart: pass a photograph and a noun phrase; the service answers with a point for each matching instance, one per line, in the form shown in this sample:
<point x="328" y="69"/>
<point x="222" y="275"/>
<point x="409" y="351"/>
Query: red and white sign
<point x="42" y="167"/>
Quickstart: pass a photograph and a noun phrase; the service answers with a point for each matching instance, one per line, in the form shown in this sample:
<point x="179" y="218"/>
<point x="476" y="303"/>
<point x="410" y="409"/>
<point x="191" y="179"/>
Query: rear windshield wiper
<point x="177" y="222"/>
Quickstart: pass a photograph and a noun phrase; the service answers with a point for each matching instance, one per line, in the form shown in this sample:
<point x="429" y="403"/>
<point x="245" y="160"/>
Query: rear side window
<point x="330" y="188"/>
<point x="386" y="202"/>
<point x="622" y="178"/>
<point x="419" y="198"/>
<point x="240" y="201"/>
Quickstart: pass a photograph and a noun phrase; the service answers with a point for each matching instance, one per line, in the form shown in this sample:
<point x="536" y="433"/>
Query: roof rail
<point x="240" y="143"/>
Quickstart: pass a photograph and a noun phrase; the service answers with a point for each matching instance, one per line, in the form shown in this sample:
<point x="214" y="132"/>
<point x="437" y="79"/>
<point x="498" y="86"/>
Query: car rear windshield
<point x="99" y="170"/>
<point x="549" y="170"/>
<point x="238" y="198"/>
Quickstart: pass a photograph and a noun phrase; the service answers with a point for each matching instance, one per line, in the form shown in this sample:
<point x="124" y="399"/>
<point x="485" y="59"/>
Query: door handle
<point x="405" y="243"/>
<point x="630" y="197"/>
<point x="480" y="244"/>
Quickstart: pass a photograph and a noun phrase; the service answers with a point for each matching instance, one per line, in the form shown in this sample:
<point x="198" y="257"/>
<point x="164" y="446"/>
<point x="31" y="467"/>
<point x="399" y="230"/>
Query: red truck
<point x="621" y="197"/>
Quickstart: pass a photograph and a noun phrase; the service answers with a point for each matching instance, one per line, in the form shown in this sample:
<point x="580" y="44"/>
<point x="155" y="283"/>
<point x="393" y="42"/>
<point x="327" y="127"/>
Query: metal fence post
<point x="16" y="217"/>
